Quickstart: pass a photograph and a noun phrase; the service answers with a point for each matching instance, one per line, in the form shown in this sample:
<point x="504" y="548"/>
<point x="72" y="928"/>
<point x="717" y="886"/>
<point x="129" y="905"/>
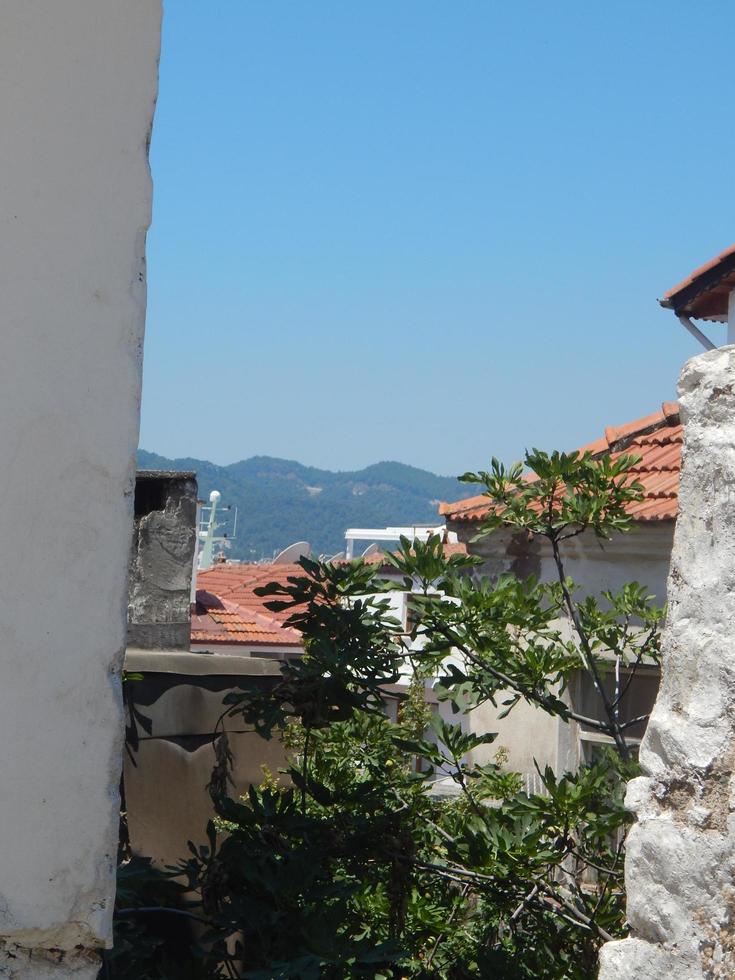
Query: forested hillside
<point x="280" y="501"/>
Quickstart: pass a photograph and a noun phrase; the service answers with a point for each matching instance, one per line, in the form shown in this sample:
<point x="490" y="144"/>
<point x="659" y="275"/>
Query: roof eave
<point x="681" y="297"/>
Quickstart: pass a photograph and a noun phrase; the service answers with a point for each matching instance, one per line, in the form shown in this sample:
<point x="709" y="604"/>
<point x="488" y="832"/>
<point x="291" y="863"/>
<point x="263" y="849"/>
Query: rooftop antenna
<point x="206" y="535"/>
<point x="208" y="526"/>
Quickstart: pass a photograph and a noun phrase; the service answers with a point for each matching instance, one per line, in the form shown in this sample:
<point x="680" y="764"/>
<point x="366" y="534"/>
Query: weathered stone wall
<point x="681" y="851"/>
<point x="161" y="561"/>
<point x="77" y="91"/>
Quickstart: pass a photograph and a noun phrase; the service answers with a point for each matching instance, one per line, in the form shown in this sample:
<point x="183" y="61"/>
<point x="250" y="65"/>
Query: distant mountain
<point x="280" y="501"/>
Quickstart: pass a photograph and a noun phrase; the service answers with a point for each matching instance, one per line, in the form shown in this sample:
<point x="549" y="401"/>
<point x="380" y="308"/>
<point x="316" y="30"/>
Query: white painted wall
<point x="78" y="84"/>
<point x="641" y="554"/>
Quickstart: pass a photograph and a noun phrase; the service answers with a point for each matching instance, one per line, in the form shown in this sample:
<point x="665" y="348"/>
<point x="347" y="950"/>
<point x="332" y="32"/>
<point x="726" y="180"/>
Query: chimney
<point x="161" y="560"/>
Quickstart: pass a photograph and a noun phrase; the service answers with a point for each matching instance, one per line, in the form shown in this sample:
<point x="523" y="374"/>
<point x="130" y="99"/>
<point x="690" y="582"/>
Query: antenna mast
<point x="207" y="535"/>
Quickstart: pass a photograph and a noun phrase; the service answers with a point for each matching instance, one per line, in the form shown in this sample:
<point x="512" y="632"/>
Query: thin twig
<point x="634" y="721"/>
<point x="638" y="661"/>
<point x="440" y="830"/>
<point x="608" y="880"/>
<point x="441" y="935"/>
<point x="529" y="898"/>
<point x="305" y="769"/>
<point x="460" y="874"/>
<point x="592" y="864"/>
<point x="580" y="916"/>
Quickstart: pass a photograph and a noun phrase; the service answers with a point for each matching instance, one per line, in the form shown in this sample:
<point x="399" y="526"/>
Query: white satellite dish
<point x="290" y="555"/>
<point x="340" y="556"/>
<point x="372" y="549"/>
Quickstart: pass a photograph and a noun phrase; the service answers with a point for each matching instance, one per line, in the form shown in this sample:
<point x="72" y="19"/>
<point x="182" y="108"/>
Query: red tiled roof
<point x="229" y="611"/>
<point x="656" y="438"/>
<point x="704" y="294"/>
<point x="237" y="583"/>
<point x="218" y="620"/>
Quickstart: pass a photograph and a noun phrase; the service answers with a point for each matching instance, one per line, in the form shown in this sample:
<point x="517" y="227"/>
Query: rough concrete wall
<point x="681" y="852"/>
<point x="20" y="963"/>
<point x="161" y="565"/>
<point x="77" y="90"/>
<point x="167" y="769"/>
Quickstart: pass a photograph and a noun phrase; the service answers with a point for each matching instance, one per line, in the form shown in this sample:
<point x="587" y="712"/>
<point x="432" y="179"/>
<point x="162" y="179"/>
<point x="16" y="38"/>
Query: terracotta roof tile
<point x="219" y="618"/>
<point x="614" y="433"/>
<point x="468" y="504"/>
<point x="657" y="438"/>
<point x="238" y="581"/>
<point x="229" y="611"/>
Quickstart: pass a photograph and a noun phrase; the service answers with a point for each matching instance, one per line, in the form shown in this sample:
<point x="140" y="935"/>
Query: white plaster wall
<point x="528" y="735"/>
<point x="641" y="554"/>
<point x="78" y="84"/>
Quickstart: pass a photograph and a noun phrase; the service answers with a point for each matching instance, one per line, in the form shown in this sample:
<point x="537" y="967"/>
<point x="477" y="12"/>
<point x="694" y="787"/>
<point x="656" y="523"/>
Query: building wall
<point x="78" y="83"/>
<point x="679" y="852"/>
<point x="175" y="715"/>
<point x="526" y="735"/>
<point x="641" y="555"/>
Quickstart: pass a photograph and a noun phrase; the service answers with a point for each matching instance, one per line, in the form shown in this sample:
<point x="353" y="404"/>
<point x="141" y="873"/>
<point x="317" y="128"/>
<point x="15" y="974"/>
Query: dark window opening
<point x="150" y="495"/>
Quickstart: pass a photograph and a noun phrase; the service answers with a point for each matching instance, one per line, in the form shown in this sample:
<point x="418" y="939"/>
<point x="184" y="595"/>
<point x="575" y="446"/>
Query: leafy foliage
<point x="354" y="863"/>
<point x="153" y="934"/>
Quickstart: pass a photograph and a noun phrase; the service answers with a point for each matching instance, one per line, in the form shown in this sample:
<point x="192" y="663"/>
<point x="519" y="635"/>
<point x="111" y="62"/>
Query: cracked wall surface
<point x="681" y="851"/>
<point x="18" y="963"/>
<point x="78" y="84"/>
<point x="161" y="561"/>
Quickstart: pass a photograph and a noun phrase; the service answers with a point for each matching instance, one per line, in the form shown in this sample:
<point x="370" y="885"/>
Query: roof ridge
<point x="616" y="440"/>
<point x="467" y="503"/>
<point x="668" y="415"/>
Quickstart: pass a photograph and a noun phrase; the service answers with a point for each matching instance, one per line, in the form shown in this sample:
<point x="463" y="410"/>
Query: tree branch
<point x="160" y="908"/>
<point x="638" y="661"/>
<point x="461" y="874"/>
<point x="513" y="685"/>
<point x="614" y="728"/>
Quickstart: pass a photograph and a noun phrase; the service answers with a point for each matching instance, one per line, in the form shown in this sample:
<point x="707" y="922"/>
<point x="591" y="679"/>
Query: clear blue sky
<point x="427" y="231"/>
